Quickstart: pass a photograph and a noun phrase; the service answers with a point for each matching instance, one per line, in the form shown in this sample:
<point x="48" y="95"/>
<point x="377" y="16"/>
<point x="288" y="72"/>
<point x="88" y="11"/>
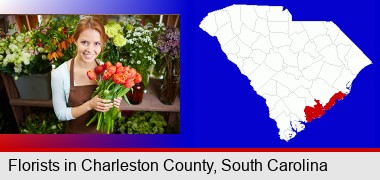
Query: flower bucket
<point x="35" y="86"/>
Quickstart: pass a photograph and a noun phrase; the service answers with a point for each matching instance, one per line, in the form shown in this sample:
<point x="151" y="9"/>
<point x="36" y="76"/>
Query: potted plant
<point x="18" y="59"/>
<point x="143" y="123"/>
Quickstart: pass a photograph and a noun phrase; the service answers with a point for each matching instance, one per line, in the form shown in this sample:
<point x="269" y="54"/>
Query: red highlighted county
<point x="318" y="110"/>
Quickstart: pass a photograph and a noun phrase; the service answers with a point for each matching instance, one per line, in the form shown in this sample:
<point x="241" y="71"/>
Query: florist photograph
<point x="85" y="74"/>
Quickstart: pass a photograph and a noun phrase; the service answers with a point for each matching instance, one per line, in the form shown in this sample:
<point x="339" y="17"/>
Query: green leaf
<point x="93" y="119"/>
<point x="126" y="100"/>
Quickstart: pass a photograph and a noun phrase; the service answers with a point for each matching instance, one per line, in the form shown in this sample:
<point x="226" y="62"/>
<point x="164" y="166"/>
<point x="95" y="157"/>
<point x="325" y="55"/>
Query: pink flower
<point x="27" y="39"/>
<point x="44" y="31"/>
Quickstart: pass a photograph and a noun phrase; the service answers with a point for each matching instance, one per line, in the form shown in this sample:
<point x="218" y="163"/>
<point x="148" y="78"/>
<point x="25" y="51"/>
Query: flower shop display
<point x="116" y="80"/>
<point x="30" y="56"/>
<point x="17" y="53"/>
<point x="34" y="52"/>
<point x="42" y="123"/>
<point x="133" y="44"/>
<point x="116" y="40"/>
<point x="143" y="123"/>
<point x="18" y="59"/>
<point x="169" y="45"/>
<point x="56" y="40"/>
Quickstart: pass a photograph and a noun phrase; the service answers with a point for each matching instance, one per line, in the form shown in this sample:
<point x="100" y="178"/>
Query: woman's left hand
<point x="116" y="102"/>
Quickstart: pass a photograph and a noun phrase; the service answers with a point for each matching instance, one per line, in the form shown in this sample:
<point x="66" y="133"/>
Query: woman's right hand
<point x="98" y="104"/>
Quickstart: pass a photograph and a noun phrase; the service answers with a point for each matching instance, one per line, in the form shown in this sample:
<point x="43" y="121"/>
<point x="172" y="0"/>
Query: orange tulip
<point x="118" y="64"/>
<point x="129" y="83"/>
<point x="99" y="69"/>
<point x="107" y="75"/>
<point x="107" y="64"/>
<point x="132" y="72"/>
<point x="111" y="69"/>
<point x="138" y="78"/>
<point x="119" y="78"/>
<point x="91" y="75"/>
<point x="120" y="69"/>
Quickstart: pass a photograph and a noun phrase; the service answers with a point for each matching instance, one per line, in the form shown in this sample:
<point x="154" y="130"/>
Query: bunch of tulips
<point x="114" y="81"/>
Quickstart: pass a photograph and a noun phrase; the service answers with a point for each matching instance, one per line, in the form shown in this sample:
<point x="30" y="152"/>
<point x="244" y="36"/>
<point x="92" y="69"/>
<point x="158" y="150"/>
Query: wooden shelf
<point x="151" y="103"/>
<point x="29" y="102"/>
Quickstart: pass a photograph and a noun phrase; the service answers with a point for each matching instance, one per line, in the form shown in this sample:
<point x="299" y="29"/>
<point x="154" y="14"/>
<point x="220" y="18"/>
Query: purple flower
<point x="169" y="42"/>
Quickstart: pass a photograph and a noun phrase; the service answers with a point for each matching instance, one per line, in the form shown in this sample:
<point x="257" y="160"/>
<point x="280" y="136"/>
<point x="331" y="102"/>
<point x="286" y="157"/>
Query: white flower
<point x="138" y="62"/>
<point x="130" y="41"/>
<point x="13" y="48"/>
<point x="19" y="38"/>
<point x="25" y="58"/>
<point x="18" y="68"/>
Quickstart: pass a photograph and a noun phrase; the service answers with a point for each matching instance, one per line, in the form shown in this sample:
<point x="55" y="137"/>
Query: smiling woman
<point x="72" y="90"/>
<point x="71" y="45"/>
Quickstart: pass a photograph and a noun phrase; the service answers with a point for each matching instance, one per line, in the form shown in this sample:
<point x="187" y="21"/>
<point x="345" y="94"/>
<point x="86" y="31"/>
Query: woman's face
<point x="88" y="45"/>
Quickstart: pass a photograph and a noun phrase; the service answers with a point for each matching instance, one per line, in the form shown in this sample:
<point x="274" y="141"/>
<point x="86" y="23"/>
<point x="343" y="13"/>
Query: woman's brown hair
<point x="89" y="22"/>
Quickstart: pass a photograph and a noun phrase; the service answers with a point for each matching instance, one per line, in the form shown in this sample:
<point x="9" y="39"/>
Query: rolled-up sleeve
<point x="59" y="97"/>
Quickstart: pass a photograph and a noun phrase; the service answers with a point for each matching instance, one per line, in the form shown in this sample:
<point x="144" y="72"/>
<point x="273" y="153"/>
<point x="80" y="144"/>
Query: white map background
<point x="289" y="63"/>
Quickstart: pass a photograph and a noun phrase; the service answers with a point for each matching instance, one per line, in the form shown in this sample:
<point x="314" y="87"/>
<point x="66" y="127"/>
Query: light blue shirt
<point x="60" y="86"/>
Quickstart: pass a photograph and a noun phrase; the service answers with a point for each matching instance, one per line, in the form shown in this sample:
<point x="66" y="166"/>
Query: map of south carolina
<point x="301" y="68"/>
